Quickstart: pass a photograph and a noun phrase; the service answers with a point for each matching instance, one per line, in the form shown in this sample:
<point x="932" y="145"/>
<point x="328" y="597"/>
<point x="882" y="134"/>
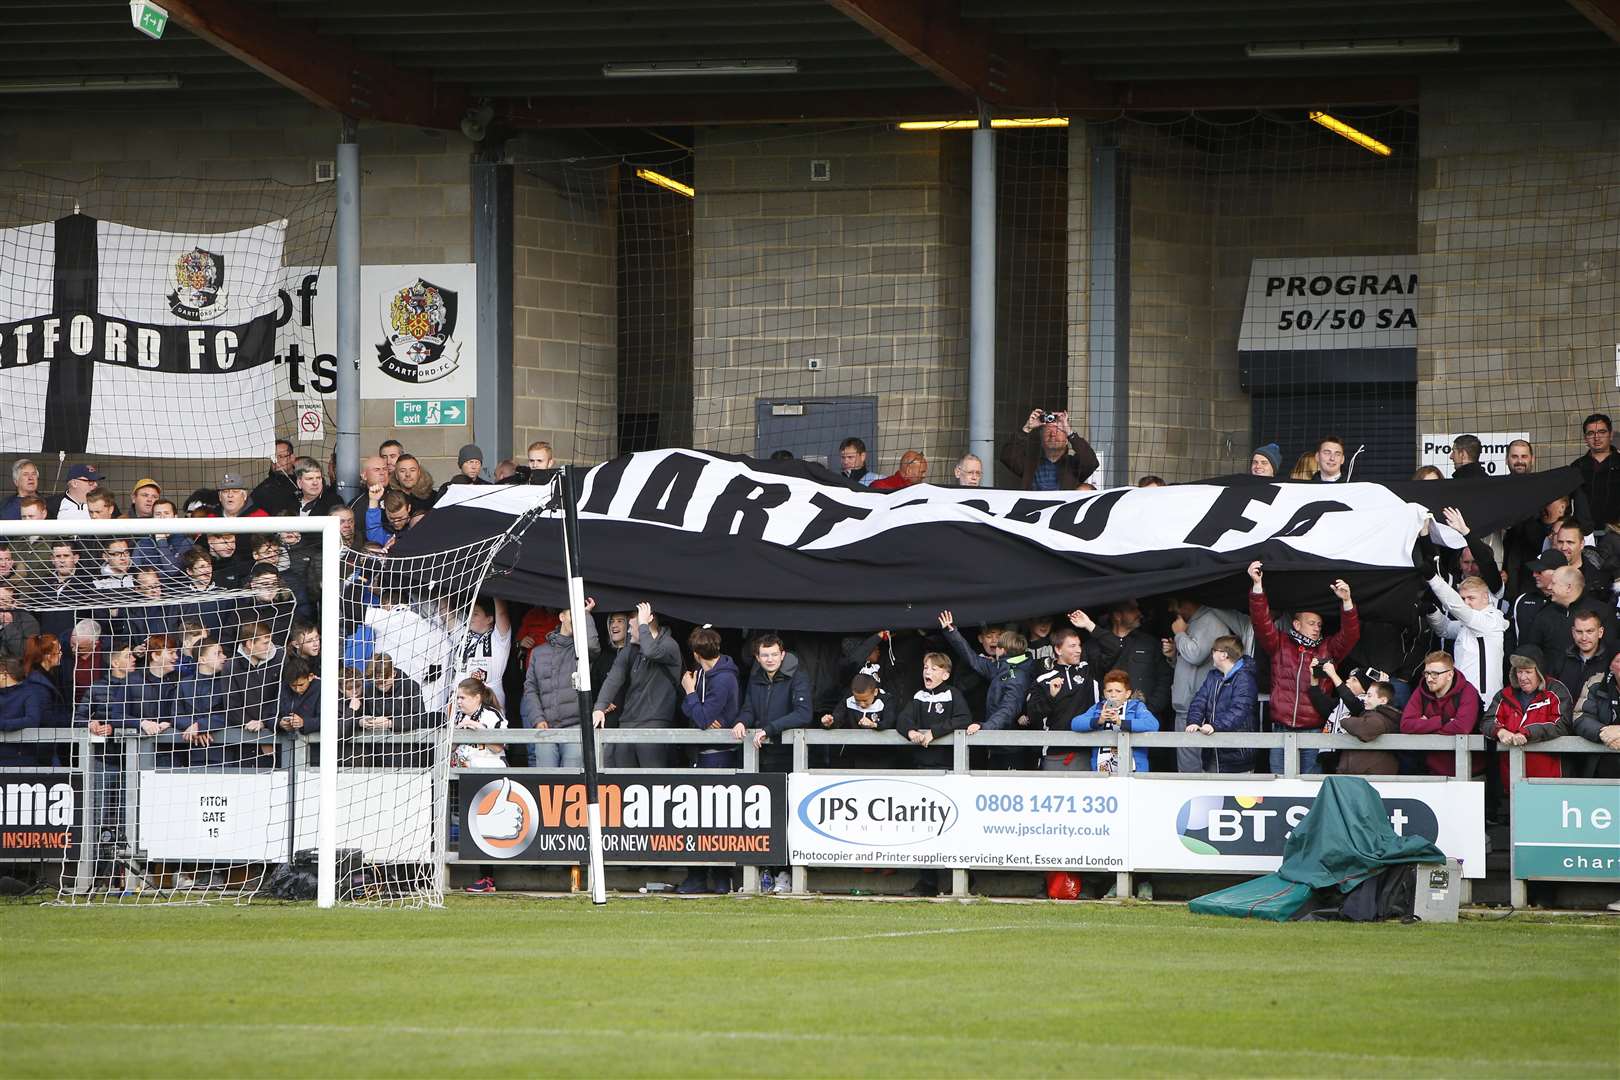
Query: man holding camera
<point x="1055" y="459"/>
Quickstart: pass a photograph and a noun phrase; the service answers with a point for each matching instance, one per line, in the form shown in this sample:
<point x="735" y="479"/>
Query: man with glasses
<point x="1444" y="704"/>
<point x="1598" y="500"/>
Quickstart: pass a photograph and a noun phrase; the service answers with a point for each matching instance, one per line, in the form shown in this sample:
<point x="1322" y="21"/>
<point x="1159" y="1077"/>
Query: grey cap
<point x="232" y="480"/>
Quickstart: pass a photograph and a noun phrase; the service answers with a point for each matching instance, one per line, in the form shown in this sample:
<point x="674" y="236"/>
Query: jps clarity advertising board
<point x="1038" y="823"/>
<point x="40" y="816"/>
<point x="1238" y="826"/>
<point x="1565" y="831"/>
<point x="646" y="818"/>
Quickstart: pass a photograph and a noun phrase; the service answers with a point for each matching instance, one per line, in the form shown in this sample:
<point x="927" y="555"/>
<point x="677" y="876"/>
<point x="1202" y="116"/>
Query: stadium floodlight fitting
<point x="667" y="182"/>
<point x="93" y="84"/>
<point x="1360" y="138"/>
<point x="1310" y="50"/>
<point x="1001" y="123"/>
<point x="663" y="68"/>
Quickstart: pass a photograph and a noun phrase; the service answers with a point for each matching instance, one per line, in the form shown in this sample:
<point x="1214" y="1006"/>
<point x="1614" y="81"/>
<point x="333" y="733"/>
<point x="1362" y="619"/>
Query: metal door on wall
<point x="812" y="428"/>
<point x="1383" y="419"/>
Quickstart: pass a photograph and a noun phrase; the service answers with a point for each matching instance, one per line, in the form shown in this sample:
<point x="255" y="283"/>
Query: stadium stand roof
<point x="540" y="65"/>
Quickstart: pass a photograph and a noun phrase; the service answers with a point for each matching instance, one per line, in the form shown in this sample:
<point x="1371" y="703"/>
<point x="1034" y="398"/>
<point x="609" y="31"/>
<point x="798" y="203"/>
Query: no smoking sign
<point x="311" y="423"/>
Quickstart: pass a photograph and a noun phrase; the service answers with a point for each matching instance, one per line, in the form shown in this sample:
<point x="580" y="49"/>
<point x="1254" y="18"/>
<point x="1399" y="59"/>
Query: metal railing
<point x="141" y="751"/>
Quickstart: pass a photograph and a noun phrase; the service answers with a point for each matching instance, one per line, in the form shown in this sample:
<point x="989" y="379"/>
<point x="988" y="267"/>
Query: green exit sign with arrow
<point x="430" y="412"/>
<point x="148" y="18"/>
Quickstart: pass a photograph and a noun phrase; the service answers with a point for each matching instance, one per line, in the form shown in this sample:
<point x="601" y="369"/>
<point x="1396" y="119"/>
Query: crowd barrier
<point x="1586" y="854"/>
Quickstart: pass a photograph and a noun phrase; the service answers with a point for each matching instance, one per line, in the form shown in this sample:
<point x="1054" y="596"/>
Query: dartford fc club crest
<point x="420" y="323"/>
<point x="199" y="286"/>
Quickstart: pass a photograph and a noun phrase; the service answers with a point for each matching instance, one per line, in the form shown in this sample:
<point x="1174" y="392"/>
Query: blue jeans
<point x="1307" y="760"/>
<point x="556" y="755"/>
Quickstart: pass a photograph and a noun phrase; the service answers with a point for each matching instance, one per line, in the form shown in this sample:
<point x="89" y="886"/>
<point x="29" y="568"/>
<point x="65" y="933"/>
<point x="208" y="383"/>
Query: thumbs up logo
<point x="502" y="819"/>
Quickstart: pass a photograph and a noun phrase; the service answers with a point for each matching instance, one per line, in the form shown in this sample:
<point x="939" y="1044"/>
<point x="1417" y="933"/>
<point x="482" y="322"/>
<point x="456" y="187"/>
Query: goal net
<point x="209" y="688"/>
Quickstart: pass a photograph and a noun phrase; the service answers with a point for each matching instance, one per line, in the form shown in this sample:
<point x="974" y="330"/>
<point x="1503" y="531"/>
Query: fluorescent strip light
<point x="1002" y="123"/>
<point x="1310" y="50"/>
<point x="1360" y="138"/>
<point x="667" y="182"/>
<point x="89" y="84"/>
<point x="661" y="69"/>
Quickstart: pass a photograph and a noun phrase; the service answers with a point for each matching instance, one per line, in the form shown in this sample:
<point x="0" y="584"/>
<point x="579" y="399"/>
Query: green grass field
<point x="513" y="986"/>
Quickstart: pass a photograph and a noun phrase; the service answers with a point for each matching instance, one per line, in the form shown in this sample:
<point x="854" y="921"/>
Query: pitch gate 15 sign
<point x="646" y="818"/>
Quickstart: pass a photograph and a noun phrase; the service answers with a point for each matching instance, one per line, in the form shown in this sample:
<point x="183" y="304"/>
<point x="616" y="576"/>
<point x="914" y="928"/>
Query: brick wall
<point x="867" y="271"/>
<point x="1519" y="211"/>
<point x="564" y="324"/>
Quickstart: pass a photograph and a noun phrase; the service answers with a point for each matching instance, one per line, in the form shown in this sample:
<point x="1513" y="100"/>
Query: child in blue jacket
<point x="1229" y="700"/>
<point x="1118" y="711"/>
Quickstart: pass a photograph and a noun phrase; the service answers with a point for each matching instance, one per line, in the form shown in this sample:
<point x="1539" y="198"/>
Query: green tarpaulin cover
<point x="1345" y="839"/>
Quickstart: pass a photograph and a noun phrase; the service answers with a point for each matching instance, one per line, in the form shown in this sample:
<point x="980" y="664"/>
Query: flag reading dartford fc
<point x="646" y="818"/>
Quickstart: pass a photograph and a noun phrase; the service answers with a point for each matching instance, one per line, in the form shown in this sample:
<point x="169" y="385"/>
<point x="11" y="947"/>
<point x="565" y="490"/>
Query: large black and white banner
<point x="117" y="340"/>
<point x="736" y="542"/>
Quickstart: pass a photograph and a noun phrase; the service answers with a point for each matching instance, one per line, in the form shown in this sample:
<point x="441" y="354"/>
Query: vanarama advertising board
<point x="981" y="822"/>
<point x="678" y="818"/>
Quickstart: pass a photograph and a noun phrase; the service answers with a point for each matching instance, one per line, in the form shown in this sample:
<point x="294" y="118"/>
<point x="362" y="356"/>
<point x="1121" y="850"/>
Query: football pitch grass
<point x="514" y="986"/>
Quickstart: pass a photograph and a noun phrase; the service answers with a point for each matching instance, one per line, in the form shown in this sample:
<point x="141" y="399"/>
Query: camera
<point x="1049" y="417"/>
<point x="1316" y="668"/>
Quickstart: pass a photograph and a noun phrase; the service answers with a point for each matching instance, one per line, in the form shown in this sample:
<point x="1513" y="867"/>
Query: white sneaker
<point x="783" y="885"/>
<point x="1615" y="906"/>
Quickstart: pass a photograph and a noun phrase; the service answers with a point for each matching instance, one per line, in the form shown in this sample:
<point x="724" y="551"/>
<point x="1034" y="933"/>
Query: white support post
<point x="331" y="736"/>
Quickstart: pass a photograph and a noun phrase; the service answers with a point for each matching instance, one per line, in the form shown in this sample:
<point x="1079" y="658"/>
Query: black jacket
<point x="941" y="711"/>
<point x="1574" y="672"/>
<point x="1550" y="631"/>
<point x="1596" y="707"/>
<point x="1077" y="692"/>
<point x="1140" y="655"/>
<point x="277" y="494"/>
<point x="1597" y="503"/>
<point x="1022" y="453"/>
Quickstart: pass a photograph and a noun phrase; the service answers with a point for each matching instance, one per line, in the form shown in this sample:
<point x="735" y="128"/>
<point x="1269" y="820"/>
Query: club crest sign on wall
<point x="419" y="327"/>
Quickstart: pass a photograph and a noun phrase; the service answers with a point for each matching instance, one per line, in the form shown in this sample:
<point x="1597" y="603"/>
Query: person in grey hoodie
<point x="1196" y="627"/>
<point x="549" y="697"/>
<point x="648" y="671"/>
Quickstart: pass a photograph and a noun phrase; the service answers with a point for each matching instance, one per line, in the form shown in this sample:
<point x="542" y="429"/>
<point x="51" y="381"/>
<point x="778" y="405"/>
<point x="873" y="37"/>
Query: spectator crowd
<point x="1516" y="639"/>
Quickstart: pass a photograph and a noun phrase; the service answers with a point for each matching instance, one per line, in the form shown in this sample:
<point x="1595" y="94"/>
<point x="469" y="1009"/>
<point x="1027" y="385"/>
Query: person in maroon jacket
<point x="1295" y="658"/>
<point x="1445" y="704"/>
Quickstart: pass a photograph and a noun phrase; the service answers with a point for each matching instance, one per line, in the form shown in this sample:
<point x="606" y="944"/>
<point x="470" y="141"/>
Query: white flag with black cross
<point x="125" y="341"/>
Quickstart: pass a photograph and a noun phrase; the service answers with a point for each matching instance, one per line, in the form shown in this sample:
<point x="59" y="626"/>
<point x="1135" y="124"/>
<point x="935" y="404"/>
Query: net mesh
<point x="144" y="263"/>
<point x="188" y="708"/>
<point x="815" y="288"/>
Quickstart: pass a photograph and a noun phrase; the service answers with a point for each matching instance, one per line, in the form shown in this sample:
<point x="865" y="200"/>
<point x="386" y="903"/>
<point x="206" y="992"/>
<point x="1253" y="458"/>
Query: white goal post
<point x="331" y="568"/>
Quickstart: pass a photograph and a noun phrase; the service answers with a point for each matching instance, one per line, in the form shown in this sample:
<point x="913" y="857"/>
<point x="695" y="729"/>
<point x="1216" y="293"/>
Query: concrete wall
<point x="564" y="335"/>
<point x="867" y="271"/>
<point x="1519" y="211"/>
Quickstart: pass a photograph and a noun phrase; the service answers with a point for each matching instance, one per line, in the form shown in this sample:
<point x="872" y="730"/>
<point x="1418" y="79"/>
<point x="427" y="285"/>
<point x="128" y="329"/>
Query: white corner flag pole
<point x="582" y="679"/>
